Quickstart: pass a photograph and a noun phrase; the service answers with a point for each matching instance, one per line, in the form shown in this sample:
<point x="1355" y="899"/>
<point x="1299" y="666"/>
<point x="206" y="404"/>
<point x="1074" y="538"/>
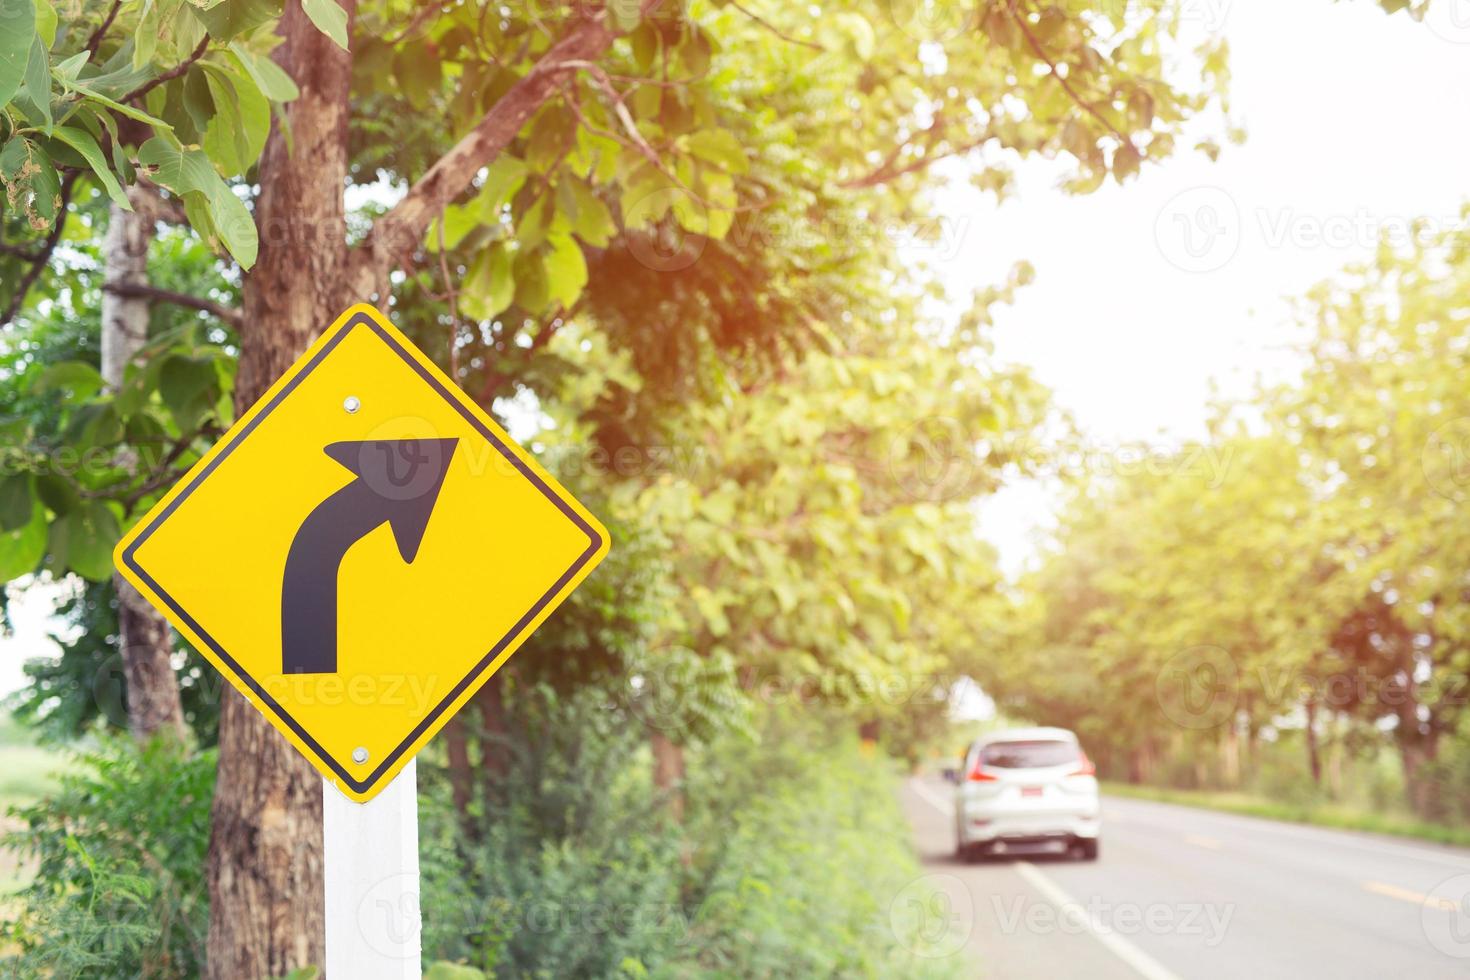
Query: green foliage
<point x="800" y="853"/>
<point x="85" y="688"/>
<point x="81" y="461"/>
<point x="791" y="853"/>
<point x="119" y="889"/>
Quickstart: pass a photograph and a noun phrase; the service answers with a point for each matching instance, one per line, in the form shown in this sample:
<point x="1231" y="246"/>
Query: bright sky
<point x="1358" y="122"/>
<point x="1148" y="294"/>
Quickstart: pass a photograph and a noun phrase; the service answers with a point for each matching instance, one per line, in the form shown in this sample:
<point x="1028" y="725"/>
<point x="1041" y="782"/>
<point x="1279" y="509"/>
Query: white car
<point x="1026" y="790"/>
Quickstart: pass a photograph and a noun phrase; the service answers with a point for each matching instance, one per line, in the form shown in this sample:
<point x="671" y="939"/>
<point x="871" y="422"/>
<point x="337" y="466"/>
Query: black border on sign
<point x="594" y="538"/>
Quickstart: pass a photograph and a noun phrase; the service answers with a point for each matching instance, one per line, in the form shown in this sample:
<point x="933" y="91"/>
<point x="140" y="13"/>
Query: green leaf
<point x="720" y="147"/>
<point x="197" y="103"/>
<point x="21" y="550"/>
<point x="46" y="22"/>
<point x="17" y="503"/>
<point x="268" y="76"/>
<point x="78" y="379"/>
<point x="83" y="539"/>
<point x="458" y="221"/>
<point x="531" y="228"/>
<point x="594" y="221"/>
<point x="38" y="82"/>
<point x="236" y="135"/>
<point x="57" y="492"/>
<point x="231" y="18"/>
<point x="329" y="18"/>
<point x="235" y="225"/>
<point x="118" y="107"/>
<point x="694" y="53"/>
<point x="530" y="278"/>
<point x="489" y="285"/>
<point x="30" y="182"/>
<point x="190" y="174"/>
<point x="502" y="179"/>
<point x="119" y="153"/>
<point x="17" y="31"/>
<point x="67" y="69"/>
<point x="82" y="141"/>
<point x="419" y="71"/>
<point x="646" y="42"/>
<point x="566" y="270"/>
<point x="184" y="382"/>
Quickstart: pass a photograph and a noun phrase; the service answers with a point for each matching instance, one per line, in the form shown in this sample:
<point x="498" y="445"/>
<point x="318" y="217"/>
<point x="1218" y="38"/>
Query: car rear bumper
<point x="976" y="827"/>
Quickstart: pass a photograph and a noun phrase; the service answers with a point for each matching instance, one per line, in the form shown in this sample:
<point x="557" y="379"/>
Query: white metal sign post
<point x="372" y="882"/>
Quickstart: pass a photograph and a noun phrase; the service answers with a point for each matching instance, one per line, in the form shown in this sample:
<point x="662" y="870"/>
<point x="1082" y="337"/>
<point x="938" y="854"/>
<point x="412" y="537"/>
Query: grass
<point x="27" y="772"/>
<point x="1316" y="814"/>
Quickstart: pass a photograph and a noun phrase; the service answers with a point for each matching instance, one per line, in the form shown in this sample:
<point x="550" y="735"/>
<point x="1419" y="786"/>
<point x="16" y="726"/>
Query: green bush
<point x="801" y="851"/>
<point x="572" y="872"/>
<point x="792" y="850"/>
<point x="119" y="889"/>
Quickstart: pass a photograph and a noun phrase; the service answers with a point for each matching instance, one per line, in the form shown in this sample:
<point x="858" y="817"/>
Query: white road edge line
<point x="1139" y="961"/>
<point x="1142" y="963"/>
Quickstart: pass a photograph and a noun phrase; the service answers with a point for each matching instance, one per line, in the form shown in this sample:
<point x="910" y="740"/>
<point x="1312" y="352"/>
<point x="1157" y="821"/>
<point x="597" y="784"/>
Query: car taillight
<point x="1085" y="766"/>
<point x="979" y="775"/>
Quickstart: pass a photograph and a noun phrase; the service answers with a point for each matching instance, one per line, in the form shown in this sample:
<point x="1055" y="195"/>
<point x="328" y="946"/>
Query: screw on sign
<point x="320" y="556"/>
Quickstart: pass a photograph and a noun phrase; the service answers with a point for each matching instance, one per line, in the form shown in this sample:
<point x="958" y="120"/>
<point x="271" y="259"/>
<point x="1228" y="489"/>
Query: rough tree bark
<point x="265" y="849"/>
<point x="154" y="705"/>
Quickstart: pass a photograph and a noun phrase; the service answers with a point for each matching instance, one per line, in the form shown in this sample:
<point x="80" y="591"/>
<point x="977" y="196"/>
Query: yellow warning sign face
<point x="361" y="551"/>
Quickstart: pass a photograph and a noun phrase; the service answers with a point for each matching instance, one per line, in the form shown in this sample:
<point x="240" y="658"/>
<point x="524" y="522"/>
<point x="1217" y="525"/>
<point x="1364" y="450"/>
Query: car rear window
<point x="1028" y="755"/>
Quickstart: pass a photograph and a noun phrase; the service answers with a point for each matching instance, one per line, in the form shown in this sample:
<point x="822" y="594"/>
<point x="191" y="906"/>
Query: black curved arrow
<point x="397" y="483"/>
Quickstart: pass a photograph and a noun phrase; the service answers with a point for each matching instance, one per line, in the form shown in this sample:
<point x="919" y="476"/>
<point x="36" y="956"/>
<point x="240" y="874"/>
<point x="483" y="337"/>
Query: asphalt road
<point x="1182" y="892"/>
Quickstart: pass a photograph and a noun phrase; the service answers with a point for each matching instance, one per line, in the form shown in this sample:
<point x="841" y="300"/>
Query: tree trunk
<point x="461" y="782"/>
<point x="1416" y="752"/>
<point x="494" y="727"/>
<point x="154" y="705"/>
<point x="668" y="773"/>
<point x="1314" y="755"/>
<point x="265" y="852"/>
<point x="1230" y="755"/>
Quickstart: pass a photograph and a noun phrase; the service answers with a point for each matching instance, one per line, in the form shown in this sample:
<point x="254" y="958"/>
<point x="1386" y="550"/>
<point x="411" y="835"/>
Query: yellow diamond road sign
<point x="361" y="551"/>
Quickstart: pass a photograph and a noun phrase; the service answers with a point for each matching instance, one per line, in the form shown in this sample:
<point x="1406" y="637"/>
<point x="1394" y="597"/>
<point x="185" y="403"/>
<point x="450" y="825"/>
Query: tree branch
<point x="773" y="28"/>
<point x="169" y="75"/>
<point x="398" y="232"/>
<point x="1066" y="85"/>
<point x="148" y="200"/>
<point x="101" y="31"/>
<point x="138" y="290"/>
<point x="41" y="256"/>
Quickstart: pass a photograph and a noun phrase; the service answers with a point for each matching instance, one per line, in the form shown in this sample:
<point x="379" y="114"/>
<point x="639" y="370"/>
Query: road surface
<point x="1183" y="892"/>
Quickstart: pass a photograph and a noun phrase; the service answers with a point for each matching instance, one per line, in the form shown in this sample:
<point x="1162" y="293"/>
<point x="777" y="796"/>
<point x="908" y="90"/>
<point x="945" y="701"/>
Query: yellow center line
<point x="1406" y="895"/>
